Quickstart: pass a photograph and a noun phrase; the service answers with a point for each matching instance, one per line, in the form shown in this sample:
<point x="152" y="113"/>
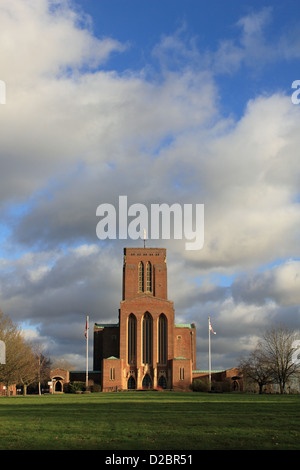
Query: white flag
<point x="211" y="329"/>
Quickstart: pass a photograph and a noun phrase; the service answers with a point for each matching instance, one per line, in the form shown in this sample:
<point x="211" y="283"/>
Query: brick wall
<point x="185" y="342"/>
<point x="139" y="307"/>
<point x="182" y="373"/>
<point x="112" y="379"/>
<point x="132" y="258"/>
<point x="12" y="389"/>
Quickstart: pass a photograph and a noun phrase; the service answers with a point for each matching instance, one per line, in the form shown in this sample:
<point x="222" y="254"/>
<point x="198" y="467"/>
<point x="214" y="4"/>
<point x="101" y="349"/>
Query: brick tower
<point x="146" y="349"/>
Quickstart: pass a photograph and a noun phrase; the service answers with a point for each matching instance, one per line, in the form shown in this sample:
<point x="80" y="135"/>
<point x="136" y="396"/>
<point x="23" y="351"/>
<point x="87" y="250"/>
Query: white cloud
<point x="254" y="45"/>
<point x="37" y="274"/>
<point x="280" y="283"/>
<point x="37" y="40"/>
<point x="74" y="136"/>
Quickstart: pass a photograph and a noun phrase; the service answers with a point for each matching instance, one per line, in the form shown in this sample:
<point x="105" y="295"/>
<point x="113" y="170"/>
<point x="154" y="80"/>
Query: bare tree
<point x="272" y="360"/>
<point x="43" y="364"/>
<point x="256" y="369"/>
<point x="60" y="363"/>
<point x="11" y="335"/>
<point x="22" y="366"/>
<point x="277" y="348"/>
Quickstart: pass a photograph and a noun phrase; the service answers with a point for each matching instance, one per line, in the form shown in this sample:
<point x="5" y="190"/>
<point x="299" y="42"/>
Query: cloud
<point x="279" y="284"/>
<point x="39" y="40"/>
<point x="75" y="134"/>
<point x="256" y="44"/>
<point x="45" y="53"/>
<point x="52" y="292"/>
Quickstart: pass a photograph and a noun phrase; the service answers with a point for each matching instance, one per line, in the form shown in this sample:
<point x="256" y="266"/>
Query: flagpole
<point x="87" y="352"/>
<point x="209" y="356"/>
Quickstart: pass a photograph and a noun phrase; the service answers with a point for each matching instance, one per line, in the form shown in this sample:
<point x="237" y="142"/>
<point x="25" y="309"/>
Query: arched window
<point x="162" y="339"/>
<point x="147" y="338"/>
<point x="162" y="382"/>
<point x="141" y="277"/>
<point x="147" y="382"/>
<point x="131" y="339"/>
<point x="149" y="277"/>
<point x="131" y="383"/>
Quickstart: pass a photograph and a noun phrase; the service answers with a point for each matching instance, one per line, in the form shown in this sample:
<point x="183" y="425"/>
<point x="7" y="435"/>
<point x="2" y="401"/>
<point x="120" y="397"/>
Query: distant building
<point x="12" y="389"/>
<point x="59" y="378"/>
<point x="231" y="379"/>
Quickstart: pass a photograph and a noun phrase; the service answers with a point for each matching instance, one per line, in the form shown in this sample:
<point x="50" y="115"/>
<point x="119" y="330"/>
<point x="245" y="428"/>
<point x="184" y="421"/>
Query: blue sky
<point x="203" y="25"/>
<point x="171" y="101"/>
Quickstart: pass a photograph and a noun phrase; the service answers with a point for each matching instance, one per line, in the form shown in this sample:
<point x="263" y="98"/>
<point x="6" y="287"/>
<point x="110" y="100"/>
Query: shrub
<point x="95" y="388"/>
<point x="199" y="385"/>
<point x="75" y="387"/>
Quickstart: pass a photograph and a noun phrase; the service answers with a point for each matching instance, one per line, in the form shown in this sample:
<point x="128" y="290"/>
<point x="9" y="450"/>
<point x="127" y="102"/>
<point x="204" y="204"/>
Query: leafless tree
<point x="256" y="369"/>
<point x="272" y="360"/>
<point x="11" y="335"/>
<point x="277" y="348"/>
<point x="42" y="363"/>
<point x="22" y="365"/>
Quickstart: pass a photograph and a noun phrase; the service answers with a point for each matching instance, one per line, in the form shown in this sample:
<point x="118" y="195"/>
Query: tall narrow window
<point x="147" y="338"/>
<point x="162" y="339"/>
<point x="141" y="277"/>
<point x="149" y="277"/>
<point x="131" y="339"/>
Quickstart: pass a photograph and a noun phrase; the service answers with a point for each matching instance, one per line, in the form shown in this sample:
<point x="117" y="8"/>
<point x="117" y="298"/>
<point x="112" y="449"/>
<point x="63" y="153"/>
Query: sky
<point x="170" y="101"/>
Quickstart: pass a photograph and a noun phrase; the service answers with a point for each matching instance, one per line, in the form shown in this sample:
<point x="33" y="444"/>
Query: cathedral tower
<point x="146" y="349"/>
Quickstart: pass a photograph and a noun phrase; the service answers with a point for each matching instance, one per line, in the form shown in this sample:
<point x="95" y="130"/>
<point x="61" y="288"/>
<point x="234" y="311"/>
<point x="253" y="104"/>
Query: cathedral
<point x="145" y="349"/>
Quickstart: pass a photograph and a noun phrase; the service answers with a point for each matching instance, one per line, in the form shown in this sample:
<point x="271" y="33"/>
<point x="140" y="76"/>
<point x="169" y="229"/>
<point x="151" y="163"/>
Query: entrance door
<point x="162" y="382"/>
<point x="147" y="382"/>
<point x="58" y="386"/>
<point x="131" y="383"/>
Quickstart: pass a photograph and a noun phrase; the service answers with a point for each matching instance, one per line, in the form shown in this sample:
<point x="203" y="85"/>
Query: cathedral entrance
<point x="147" y="382"/>
<point x="131" y="383"/>
<point x="162" y="382"/>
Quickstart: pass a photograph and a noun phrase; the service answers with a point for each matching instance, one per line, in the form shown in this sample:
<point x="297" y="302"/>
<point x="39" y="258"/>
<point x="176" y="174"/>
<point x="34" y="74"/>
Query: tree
<point x="21" y="364"/>
<point x="277" y="348"/>
<point x="27" y="366"/>
<point x="272" y="360"/>
<point x="11" y="335"/>
<point x="256" y="369"/>
<point x="61" y="363"/>
<point x="43" y="364"/>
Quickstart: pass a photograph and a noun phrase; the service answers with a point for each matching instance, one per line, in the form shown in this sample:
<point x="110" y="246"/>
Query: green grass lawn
<point x="150" y="421"/>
